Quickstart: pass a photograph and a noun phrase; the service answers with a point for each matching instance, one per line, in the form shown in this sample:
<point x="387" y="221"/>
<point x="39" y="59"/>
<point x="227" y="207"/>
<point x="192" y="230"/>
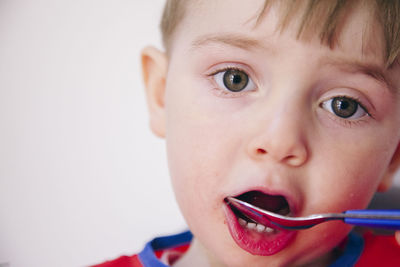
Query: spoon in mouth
<point x="389" y="219"/>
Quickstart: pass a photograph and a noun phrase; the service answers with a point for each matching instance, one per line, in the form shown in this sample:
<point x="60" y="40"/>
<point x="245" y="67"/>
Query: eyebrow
<point x="373" y="71"/>
<point x="230" y="39"/>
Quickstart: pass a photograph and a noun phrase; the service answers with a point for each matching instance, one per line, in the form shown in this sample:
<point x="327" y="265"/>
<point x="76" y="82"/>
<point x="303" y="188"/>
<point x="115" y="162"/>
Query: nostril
<point x="261" y="151"/>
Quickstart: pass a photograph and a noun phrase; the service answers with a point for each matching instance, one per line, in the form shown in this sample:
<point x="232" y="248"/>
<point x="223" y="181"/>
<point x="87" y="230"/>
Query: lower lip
<point x="262" y="244"/>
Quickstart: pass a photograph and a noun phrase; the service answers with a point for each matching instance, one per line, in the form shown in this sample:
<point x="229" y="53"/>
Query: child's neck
<point x="325" y="260"/>
<point x="195" y="257"/>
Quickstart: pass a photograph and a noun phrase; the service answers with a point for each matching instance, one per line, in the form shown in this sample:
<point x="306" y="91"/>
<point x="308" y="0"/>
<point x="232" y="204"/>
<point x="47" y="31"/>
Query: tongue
<point x="266" y="202"/>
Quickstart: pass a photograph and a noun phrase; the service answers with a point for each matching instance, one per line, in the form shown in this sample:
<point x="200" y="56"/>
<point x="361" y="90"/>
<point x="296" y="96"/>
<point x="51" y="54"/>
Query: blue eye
<point x="345" y="107"/>
<point x="234" y="80"/>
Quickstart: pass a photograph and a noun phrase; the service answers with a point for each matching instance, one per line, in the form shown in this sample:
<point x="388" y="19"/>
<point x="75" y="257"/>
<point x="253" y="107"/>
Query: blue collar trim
<point x="351" y="253"/>
<point x="148" y="258"/>
<point x="350" y="256"/>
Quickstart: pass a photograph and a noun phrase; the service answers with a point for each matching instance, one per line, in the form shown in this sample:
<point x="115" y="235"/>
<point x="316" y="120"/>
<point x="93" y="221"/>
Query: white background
<point x="82" y="179"/>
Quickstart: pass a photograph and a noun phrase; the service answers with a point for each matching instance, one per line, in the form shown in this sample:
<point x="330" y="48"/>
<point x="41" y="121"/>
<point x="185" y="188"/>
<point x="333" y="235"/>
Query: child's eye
<point x="345" y="107"/>
<point x="234" y="80"/>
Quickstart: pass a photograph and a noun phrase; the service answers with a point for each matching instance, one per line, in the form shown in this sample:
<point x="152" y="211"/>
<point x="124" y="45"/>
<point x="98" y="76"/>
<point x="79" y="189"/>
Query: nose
<point x="281" y="139"/>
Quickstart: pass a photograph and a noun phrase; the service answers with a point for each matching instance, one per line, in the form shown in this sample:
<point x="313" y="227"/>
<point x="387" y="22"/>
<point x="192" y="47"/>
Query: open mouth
<point x="276" y="204"/>
<point x="256" y="237"/>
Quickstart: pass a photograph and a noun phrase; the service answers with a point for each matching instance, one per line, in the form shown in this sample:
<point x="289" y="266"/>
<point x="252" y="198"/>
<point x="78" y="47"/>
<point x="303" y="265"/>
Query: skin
<point x="398" y="237"/>
<point x="276" y="136"/>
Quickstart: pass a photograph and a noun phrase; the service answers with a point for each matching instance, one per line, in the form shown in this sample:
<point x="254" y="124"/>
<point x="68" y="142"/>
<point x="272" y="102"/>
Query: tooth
<point x="260" y="228"/>
<point x="269" y="230"/>
<point x="251" y="225"/>
<point x="242" y="222"/>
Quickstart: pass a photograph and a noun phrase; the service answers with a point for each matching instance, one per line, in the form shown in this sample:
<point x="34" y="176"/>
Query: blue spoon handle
<point x="389" y="219"/>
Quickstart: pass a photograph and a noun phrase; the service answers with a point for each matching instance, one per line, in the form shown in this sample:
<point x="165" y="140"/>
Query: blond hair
<point x="317" y="16"/>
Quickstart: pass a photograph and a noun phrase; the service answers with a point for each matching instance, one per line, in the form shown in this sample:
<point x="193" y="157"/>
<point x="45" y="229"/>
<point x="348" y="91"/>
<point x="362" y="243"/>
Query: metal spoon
<point x="389" y="219"/>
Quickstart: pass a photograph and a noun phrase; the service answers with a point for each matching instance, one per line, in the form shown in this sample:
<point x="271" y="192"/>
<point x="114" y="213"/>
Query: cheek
<point x="195" y="160"/>
<point x="198" y="177"/>
<point x="202" y="146"/>
<point x="198" y="161"/>
<point x="199" y="142"/>
<point x="347" y="174"/>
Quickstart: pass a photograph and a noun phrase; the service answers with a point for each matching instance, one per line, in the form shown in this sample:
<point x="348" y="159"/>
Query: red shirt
<point x="367" y="251"/>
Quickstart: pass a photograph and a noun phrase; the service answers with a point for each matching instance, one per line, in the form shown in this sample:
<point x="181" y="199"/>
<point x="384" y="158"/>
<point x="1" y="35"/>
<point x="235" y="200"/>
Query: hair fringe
<point x="324" y="17"/>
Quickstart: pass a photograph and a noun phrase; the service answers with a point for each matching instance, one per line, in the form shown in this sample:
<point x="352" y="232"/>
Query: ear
<point x="394" y="165"/>
<point x="154" y="69"/>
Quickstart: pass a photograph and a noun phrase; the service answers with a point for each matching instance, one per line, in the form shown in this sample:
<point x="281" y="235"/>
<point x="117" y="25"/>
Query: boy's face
<point x="251" y="110"/>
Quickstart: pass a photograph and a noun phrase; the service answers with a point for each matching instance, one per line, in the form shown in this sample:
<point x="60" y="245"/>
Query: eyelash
<point x="224" y="92"/>
<point x="345" y="121"/>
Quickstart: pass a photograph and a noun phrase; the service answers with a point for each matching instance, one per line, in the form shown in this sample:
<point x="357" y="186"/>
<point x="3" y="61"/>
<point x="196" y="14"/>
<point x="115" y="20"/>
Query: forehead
<point x="359" y="37"/>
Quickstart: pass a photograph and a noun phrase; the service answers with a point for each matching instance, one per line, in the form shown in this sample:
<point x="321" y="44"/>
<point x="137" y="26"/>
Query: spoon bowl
<point x="389" y="219"/>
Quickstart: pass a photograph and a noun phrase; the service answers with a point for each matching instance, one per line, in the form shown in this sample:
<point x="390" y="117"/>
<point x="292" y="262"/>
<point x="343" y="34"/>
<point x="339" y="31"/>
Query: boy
<point x="292" y="106"/>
